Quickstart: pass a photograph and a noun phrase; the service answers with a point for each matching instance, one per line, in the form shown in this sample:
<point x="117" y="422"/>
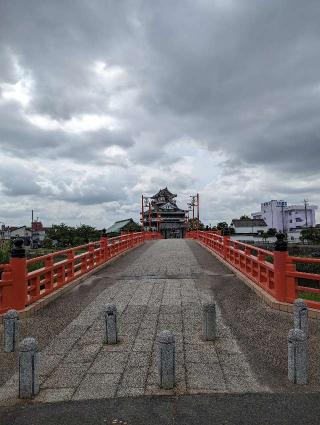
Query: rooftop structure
<point x="123" y="225"/>
<point x="285" y="218"/>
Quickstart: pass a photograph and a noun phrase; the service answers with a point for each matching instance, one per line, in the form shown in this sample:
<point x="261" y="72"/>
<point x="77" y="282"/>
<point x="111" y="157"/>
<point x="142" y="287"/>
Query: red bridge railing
<point x="25" y="281"/>
<point x="275" y="272"/>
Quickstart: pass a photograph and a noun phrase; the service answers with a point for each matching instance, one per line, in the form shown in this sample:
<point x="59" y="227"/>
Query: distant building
<point x="286" y="218"/>
<point x="248" y="227"/>
<point x="165" y="216"/>
<point x="123" y="226"/>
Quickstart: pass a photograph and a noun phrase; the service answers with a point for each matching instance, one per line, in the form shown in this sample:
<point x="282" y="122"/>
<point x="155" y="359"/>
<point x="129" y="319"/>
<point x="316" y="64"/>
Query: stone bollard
<point x="297" y="357"/>
<point x="166" y="360"/>
<point x="209" y="321"/>
<point x="110" y="317"/>
<point x="11" y="330"/>
<point x="28" y="368"/>
<point x="300" y="315"/>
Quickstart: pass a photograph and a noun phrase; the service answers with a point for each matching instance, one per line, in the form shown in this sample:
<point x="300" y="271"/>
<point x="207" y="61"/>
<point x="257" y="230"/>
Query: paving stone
<point x="66" y="376"/>
<point x="130" y="392"/>
<point x="227" y="345"/>
<point x="144" y="345"/>
<point x="48" y="363"/>
<point x="109" y="362"/>
<point x="83" y="354"/>
<point x="53" y="395"/>
<point x="92" y="337"/>
<point x="138" y="359"/>
<point x="73" y="331"/>
<point x="60" y="346"/>
<point x="134" y="377"/>
<point x="205" y="377"/>
<point x="196" y="354"/>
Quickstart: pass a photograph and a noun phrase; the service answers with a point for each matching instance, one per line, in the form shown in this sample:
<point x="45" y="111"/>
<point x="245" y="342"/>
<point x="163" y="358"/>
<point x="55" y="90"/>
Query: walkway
<point x="160" y="285"/>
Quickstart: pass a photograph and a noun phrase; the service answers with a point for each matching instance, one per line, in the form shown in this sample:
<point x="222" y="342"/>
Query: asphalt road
<point x="249" y="409"/>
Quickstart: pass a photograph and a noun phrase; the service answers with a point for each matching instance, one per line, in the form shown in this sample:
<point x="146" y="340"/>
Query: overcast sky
<point x="102" y="100"/>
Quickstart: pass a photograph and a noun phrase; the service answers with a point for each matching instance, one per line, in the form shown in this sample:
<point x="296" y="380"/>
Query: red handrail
<point x="278" y="276"/>
<point x="20" y="287"/>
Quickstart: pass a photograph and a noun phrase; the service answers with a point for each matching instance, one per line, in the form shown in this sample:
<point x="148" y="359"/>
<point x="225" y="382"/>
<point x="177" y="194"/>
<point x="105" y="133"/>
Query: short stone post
<point x="300" y="315"/>
<point x="209" y="321"/>
<point x="28" y="368"/>
<point x="297" y="357"/>
<point x="110" y="317"/>
<point x="11" y="330"/>
<point x="166" y="360"/>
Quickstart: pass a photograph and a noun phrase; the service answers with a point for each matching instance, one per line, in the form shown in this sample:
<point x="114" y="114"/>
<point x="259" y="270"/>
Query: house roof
<point x="248" y="222"/>
<point x="118" y="225"/>
<point x="165" y="193"/>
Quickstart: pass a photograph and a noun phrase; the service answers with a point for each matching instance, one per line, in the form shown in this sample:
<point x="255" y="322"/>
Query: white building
<point x="286" y="218"/>
<point x="248" y="229"/>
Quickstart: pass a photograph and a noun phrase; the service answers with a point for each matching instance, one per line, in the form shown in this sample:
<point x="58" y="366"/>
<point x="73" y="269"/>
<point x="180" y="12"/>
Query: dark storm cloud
<point x="240" y="79"/>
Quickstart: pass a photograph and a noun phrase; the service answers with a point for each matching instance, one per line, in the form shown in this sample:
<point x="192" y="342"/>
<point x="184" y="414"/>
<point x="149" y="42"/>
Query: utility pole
<point x="195" y="203"/>
<point x="142" y="213"/>
<point x="149" y="216"/>
<point x="198" y="211"/>
<point x="282" y="217"/>
<point x="305" y="211"/>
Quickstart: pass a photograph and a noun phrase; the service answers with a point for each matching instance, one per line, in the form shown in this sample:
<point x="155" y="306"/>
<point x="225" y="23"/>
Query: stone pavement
<point x="157" y="292"/>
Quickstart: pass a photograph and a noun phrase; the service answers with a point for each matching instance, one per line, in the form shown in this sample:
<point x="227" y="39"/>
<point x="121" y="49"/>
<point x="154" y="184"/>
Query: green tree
<point x="272" y="232"/>
<point x="72" y="236"/>
<point x="194" y="225"/>
<point x="47" y="243"/>
<point x="5" y="249"/>
<point x="222" y="225"/>
<point x="311" y="234"/>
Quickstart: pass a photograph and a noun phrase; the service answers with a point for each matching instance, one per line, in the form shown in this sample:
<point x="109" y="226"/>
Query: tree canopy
<point x="71" y="236"/>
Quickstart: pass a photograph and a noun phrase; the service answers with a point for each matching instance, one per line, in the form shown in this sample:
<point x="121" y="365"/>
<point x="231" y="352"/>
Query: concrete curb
<point x="267" y="298"/>
<point x="40" y="304"/>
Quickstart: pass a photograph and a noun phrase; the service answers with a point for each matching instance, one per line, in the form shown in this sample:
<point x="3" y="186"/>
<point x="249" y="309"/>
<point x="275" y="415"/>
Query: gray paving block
<point x="48" y="362"/>
<point x="227" y="345"/>
<point x="143" y="345"/>
<point x="200" y="354"/>
<point x="130" y="392"/>
<point x="66" y="376"/>
<point x="134" y="377"/>
<point x="53" y="395"/>
<point x="73" y="331"/>
<point x="138" y="359"/>
<point x="205" y="377"/>
<point x="83" y="354"/>
<point x="59" y="346"/>
<point x="109" y="362"/>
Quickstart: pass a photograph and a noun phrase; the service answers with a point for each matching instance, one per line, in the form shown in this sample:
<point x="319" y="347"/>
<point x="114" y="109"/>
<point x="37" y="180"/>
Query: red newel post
<point x="226" y="242"/>
<point x="280" y="264"/>
<point x="104" y="247"/>
<point x="18" y="265"/>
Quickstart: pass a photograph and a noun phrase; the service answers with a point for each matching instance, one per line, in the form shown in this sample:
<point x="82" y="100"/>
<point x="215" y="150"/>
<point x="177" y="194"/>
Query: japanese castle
<point x="165" y="216"/>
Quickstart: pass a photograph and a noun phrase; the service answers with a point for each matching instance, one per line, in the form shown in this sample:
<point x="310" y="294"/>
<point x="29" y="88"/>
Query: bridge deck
<point x="161" y="285"/>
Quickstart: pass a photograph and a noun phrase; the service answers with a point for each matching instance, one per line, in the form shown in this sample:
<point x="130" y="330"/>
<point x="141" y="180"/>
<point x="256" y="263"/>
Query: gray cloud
<point x="239" y="80"/>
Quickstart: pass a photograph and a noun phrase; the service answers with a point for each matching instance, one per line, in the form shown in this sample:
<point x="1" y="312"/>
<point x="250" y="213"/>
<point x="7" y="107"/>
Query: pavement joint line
<point x="153" y="349"/>
<point x="184" y="343"/>
<point x="118" y="387"/>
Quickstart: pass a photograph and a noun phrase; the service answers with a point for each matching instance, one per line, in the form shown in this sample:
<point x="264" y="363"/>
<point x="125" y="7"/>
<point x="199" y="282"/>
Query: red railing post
<point x="280" y="259"/>
<point x="291" y="290"/>
<point x="18" y="264"/>
<point x="104" y="249"/>
<point x="226" y="243"/>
